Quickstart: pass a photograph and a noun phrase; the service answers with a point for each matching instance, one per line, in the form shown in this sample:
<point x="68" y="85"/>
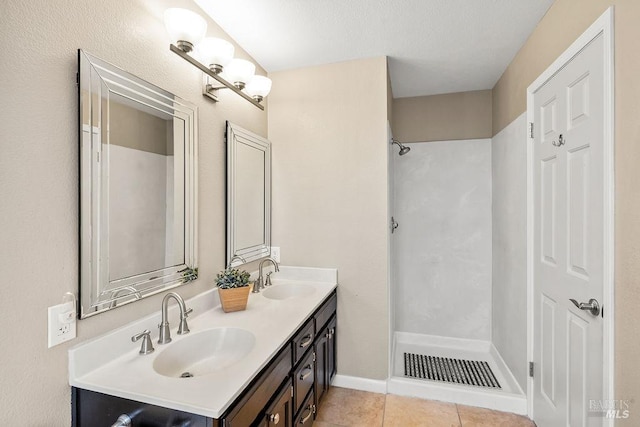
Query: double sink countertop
<point x="111" y="364"/>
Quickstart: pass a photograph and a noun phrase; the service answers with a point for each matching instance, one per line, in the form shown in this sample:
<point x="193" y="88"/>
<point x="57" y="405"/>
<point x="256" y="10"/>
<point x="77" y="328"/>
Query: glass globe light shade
<point x="258" y="87"/>
<point x="215" y="53"/>
<point x="185" y="27"/>
<point x="239" y="72"/>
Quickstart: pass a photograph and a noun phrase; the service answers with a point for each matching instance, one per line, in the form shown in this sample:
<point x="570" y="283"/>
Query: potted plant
<point x="233" y="289"/>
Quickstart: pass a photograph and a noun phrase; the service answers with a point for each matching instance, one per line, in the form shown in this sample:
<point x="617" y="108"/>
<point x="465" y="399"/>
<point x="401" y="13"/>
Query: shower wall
<point x="443" y="243"/>
<point x="509" y="160"/>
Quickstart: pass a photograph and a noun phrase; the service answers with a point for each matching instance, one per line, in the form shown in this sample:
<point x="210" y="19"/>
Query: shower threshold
<point x="440" y="357"/>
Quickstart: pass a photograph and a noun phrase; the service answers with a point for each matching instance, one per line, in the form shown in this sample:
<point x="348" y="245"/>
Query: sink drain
<point x="186" y="375"/>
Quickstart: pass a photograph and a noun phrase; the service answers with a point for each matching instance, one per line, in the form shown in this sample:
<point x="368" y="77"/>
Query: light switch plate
<point x="62" y="323"/>
<point x="275" y="253"/>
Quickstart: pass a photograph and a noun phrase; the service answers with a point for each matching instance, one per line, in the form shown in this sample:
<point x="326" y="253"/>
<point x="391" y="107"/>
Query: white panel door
<point x="568" y="233"/>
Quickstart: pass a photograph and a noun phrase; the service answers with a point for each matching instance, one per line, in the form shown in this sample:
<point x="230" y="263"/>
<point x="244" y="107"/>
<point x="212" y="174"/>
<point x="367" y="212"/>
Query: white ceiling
<point x="434" y="46"/>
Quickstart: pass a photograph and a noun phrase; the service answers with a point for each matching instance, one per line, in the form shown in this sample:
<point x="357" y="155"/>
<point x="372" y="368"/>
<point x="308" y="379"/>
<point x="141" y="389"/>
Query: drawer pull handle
<point x="312" y="409"/>
<point x="274" y="418"/>
<point x="309" y="369"/>
<point x="307" y="340"/>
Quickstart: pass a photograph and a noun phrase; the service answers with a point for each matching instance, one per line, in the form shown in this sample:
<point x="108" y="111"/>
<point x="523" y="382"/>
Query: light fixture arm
<point x="213" y="75"/>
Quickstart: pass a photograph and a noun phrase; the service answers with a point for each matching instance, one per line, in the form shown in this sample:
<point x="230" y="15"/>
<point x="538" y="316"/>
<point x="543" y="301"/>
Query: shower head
<point x="403" y="148"/>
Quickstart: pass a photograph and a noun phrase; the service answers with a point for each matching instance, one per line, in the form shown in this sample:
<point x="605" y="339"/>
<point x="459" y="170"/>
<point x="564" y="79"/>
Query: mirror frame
<point x="97" y="80"/>
<point x="234" y="136"/>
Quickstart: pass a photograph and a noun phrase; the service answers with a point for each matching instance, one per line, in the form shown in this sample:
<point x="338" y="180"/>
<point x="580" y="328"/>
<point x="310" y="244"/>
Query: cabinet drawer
<point x="252" y="404"/>
<point x="325" y="312"/>
<point x="303" y="379"/>
<point x="307" y="412"/>
<point x="303" y="341"/>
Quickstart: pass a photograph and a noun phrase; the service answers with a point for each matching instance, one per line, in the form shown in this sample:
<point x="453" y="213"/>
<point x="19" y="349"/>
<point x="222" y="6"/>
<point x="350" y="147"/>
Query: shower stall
<point x="441" y="277"/>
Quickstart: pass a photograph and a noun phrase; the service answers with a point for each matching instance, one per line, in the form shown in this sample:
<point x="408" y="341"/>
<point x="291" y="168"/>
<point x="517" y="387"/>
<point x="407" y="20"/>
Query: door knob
<point x="592" y="306"/>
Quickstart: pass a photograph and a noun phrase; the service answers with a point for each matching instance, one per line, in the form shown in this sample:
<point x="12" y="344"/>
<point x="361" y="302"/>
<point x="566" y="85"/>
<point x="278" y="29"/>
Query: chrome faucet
<point x="257" y="286"/>
<point x="234" y="258"/>
<point x="165" y="334"/>
<point x="117" y="292"/>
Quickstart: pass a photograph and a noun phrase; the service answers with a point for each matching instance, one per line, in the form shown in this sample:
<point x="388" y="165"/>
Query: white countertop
<point x="111" y="364"/>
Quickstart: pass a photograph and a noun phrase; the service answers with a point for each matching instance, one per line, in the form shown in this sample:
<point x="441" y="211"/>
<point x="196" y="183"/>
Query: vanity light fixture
<point x="258" y="87"/>
<point x="187" y="30"/>
<point x="240" y="71"/>
<point x="215" y="52"/>
<point x="185" y="27"/>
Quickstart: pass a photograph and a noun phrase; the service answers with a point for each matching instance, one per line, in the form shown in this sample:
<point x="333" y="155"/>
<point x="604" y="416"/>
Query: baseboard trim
<point x="359" y="383"/>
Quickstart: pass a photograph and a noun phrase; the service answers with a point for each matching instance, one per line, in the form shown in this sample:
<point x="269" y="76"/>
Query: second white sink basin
<point x="204" y="352"/>
<point x="287" y="290"/>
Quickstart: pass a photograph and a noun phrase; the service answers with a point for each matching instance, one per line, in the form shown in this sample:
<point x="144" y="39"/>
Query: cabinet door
<point x="321" y="348"/>
<point x="91" y="409"/>
<point x="280" y="412"/>
<point x="331" y="366"/>
<point x="249" y="409"/>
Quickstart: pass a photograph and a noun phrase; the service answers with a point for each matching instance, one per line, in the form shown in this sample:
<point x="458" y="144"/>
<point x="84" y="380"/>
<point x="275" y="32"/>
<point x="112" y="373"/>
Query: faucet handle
<point x="183" y="328"/>
<point x="147" y="345"/>
<point x="257" y="285"/>
<point x="267" y="281"/>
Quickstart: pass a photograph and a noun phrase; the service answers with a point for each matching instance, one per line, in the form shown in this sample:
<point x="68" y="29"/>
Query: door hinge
<point x="314" y="356"/>
<point x="291" y="391"/>
<point x="531" y="130"/>
<point x="531" y="369"/>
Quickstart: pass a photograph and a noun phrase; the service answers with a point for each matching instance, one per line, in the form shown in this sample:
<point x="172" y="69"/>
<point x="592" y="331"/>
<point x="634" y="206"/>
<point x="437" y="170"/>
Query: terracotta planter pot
<point x="234" y="299"/>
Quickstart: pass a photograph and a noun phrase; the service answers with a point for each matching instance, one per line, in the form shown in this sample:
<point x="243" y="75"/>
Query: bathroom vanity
<point x="269" y="365"/>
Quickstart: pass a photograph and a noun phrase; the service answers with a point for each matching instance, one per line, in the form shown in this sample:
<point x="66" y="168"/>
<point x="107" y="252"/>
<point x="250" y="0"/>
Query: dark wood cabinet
<point x="303" y="379"/>
<point x="332" y="349"/>
<point x="285" y="393"/>
<point x="303" y="340"/>
<point x="321" y="348"/>
<point x="307" y="412"/>
<point x="325" y="349"/>
<point x="250" y="407"/>
<point x="280" y="412"/>
<point x="95" y="409"/>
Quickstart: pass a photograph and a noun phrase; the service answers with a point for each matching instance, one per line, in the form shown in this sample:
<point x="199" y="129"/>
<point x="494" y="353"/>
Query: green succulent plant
<point x="232" y="278"/>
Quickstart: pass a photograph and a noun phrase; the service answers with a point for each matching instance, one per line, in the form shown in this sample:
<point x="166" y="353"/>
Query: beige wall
<point x="563" y="23"/>
<point x="39" y="178"/>
<point x="451" y="116"/>
<point x="328" y="129"/>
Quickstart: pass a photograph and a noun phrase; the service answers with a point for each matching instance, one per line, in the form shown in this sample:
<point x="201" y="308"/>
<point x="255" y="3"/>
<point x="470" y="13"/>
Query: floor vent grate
<point x="456" y="371"/>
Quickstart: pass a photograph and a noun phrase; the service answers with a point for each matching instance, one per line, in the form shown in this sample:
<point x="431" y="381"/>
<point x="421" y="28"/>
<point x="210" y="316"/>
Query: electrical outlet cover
<point x="62" y="323"/>
<point x="275" y="253"/>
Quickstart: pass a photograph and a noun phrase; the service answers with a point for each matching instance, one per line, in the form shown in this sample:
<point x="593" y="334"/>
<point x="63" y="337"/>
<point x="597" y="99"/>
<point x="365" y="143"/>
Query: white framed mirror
<point x="248" y="195"/>
<point x="138" y="187"/>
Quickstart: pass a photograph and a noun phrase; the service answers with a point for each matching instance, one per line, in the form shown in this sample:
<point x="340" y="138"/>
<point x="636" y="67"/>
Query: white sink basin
<point x="204" y="352"/>
<point x="288" y="290"/>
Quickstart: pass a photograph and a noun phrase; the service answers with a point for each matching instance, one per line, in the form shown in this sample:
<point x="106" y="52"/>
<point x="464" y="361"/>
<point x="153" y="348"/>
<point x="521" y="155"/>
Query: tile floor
<point x="344" y="407"/>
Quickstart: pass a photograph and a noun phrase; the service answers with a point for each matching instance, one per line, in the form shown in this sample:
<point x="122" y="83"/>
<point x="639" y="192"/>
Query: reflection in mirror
<point x="248" y="196"/>
<point x="138" y="188"/>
